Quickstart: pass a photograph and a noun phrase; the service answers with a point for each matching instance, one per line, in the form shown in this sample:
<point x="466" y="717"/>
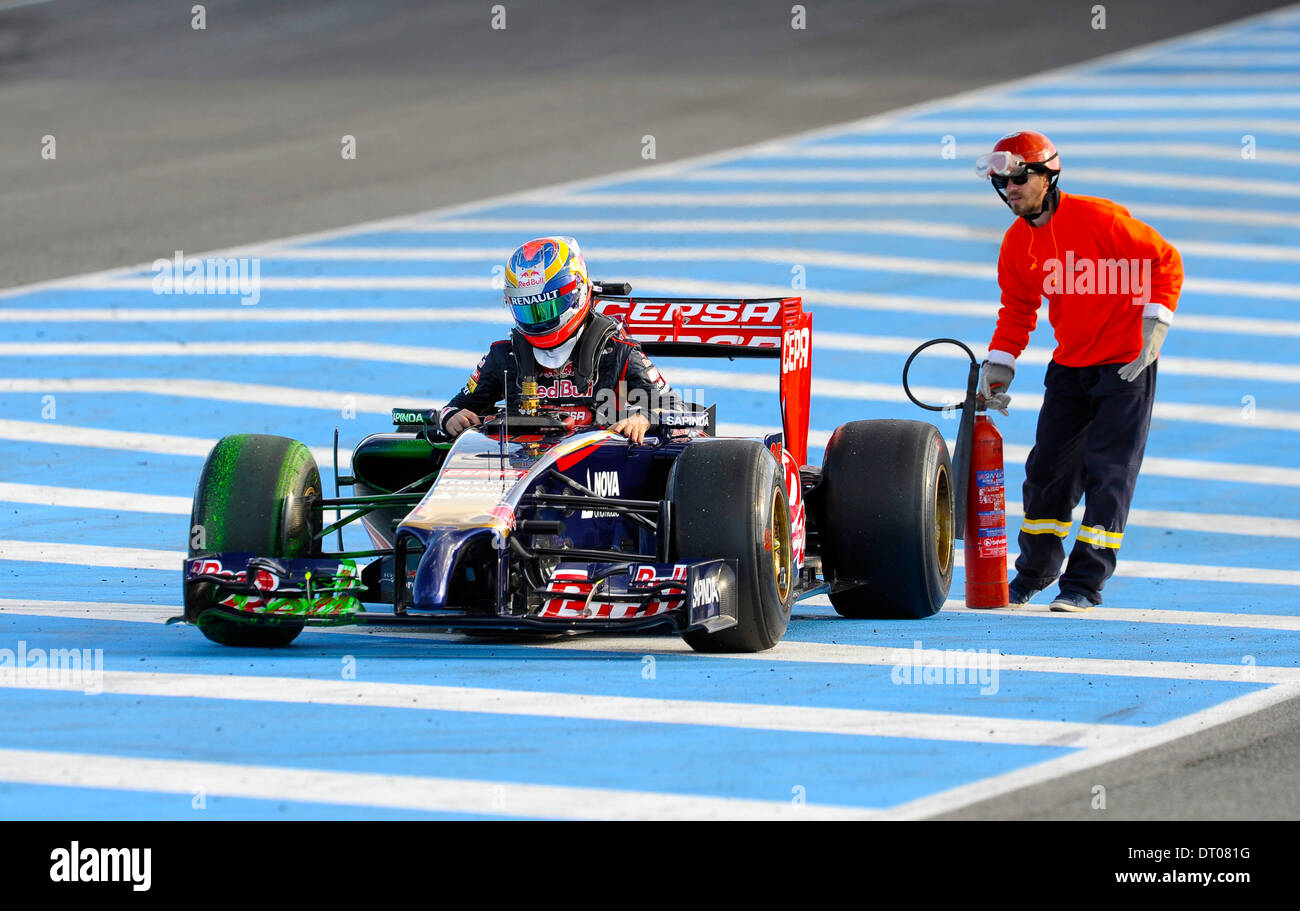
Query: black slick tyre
<point x="887" y="501"/>
<point x="729" y="501"/>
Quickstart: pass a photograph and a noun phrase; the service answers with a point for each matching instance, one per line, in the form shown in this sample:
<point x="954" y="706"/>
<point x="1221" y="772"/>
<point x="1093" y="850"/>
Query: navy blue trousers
<point x="1092" y="434"/>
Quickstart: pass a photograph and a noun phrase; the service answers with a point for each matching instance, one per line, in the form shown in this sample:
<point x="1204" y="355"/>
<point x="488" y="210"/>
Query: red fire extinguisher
<point x="981" y="505"/>
<point x="986" y="518"/>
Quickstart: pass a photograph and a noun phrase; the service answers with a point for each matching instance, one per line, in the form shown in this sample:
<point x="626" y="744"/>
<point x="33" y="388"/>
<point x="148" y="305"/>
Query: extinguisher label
<point x="991" y="517"/>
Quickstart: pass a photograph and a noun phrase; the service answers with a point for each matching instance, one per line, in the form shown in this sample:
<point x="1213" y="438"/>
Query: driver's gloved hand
<point x="459" y="421"/>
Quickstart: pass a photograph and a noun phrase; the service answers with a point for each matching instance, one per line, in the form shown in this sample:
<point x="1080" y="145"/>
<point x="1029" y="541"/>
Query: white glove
<point x="1153" y="336"/>
<point x="994" y="380"/>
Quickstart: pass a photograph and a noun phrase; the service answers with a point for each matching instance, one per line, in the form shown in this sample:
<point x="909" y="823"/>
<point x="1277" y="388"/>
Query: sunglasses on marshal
<point x="1000" y="181"/>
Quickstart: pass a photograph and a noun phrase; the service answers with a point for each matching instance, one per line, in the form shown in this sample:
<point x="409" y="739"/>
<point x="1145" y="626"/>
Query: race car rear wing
<point x="776" y="327"/>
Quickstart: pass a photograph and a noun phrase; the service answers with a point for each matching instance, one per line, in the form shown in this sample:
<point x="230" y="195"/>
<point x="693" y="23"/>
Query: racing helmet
<point x="1016" y="153"/>
<point x="547" y="290"/>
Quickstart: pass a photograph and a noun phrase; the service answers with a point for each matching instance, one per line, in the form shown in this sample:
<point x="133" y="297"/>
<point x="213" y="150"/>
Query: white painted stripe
<point x="307" y="283"/>
<point x="935" y="150"/>
<point x="1253" y="252"/>
<point x="1280" y="622"/>
<point x="633" y="710"/>
<point x="907" y="265"/>
<point x="403" y="792"/>
<point x="788" y="650"/>
<point x="1142" y="739"/>
<point x="91" y="555"/>
<point x="791" y="650"/>
<point x="1261" y="372"/>
<point x="1208" y="522"/>
<point x="976" y="198"/>
<point x="1194" y="469"/>
<point x="1261" y="252"/>
<point x="1205" y="80"/>
<point x="1250" y="60"/>
<point x="1238" y="126"/>
<point x="90" y="610"/>
<point x="1244" y="575"/>
<point x="57" y="434"/>
<point x="260" y="314"/>
<point x="120" y="501"/>
<point x="1098" y="101"/>
<point x="1231" y="287"/>
<point x="129" y="440"/>
<point x="140" y="558"/>
<point x="226" y="391"/>
<point x="83" y="498"/>
<point x="526" y="225"/>
<point x="1232" y="416"/>
<point x="1181" y="366"/>
<point x="1256" y="252"/>
<point x="133" y="441"/>
<point x="1191" y="572"/>
<point x="1250" y="252"/>
<point x="1282" y="39"/>
<point x="1246" y="184"/>
<point x="1198" y="469"/>
<point x="1234" y="325"/>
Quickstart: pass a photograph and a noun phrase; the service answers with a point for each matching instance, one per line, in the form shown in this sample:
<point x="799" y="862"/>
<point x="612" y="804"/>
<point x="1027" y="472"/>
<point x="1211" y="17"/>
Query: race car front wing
<point x="332" y="591"/>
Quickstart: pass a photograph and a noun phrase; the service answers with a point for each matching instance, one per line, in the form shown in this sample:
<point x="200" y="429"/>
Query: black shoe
<point x="1072" y="602"/>
<point x="1019" y="594"/>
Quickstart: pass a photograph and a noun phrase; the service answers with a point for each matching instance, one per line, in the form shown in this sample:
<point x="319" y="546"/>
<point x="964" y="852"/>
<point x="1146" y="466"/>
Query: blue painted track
<point x="1202" y="618"/>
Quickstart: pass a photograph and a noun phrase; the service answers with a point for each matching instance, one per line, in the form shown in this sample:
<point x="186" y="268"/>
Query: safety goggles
<point x="1007" y="167"/>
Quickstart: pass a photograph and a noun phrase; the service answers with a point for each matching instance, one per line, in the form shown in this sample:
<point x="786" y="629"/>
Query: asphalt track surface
<point x="186" y="146"/>
<point x="172" y="138"/>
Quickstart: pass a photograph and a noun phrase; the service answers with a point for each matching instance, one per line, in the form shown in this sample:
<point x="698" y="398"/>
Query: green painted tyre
<point x="255" y="494"/>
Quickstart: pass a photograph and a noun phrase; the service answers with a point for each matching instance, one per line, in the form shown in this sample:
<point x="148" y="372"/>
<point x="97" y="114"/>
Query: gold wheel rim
<point x="782" y="549"/>
<point x="944" y="521"/>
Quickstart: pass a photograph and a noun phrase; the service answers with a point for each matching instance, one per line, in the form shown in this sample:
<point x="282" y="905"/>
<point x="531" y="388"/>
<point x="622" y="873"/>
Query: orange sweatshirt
<point x="1101" y="271"/>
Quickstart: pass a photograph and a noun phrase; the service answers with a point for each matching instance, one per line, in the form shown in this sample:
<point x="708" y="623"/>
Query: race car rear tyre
<point x="254" y="494"/>
<point x="729" y="501"/>
<point x="888" y="520"/>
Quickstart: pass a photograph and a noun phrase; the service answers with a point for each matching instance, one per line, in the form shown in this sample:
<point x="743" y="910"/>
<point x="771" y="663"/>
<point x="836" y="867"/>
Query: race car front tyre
<point x="887" y="504"/>
<point x="254" y="494"/>
<point x="729" y="501"/>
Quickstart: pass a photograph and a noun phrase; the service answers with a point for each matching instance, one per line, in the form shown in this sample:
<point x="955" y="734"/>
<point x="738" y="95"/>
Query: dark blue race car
<point x="535" y="520"/>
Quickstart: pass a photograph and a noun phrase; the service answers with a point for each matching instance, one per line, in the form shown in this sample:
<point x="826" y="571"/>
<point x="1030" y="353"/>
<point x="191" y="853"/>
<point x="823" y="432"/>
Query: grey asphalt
<point x="169" y="137"/>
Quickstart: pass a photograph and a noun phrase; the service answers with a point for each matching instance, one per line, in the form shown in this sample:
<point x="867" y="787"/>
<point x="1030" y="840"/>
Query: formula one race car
<point x="534" y="520"/>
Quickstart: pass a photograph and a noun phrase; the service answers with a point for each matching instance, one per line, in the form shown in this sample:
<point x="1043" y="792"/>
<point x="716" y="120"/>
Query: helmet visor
<point x="539" y="313"/>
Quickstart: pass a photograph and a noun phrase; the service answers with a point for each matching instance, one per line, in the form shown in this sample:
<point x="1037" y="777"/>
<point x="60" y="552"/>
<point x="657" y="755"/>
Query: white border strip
<point x="633" y="710"/>
<point x="956" y="798"/>
<point x="399" y="792"/>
